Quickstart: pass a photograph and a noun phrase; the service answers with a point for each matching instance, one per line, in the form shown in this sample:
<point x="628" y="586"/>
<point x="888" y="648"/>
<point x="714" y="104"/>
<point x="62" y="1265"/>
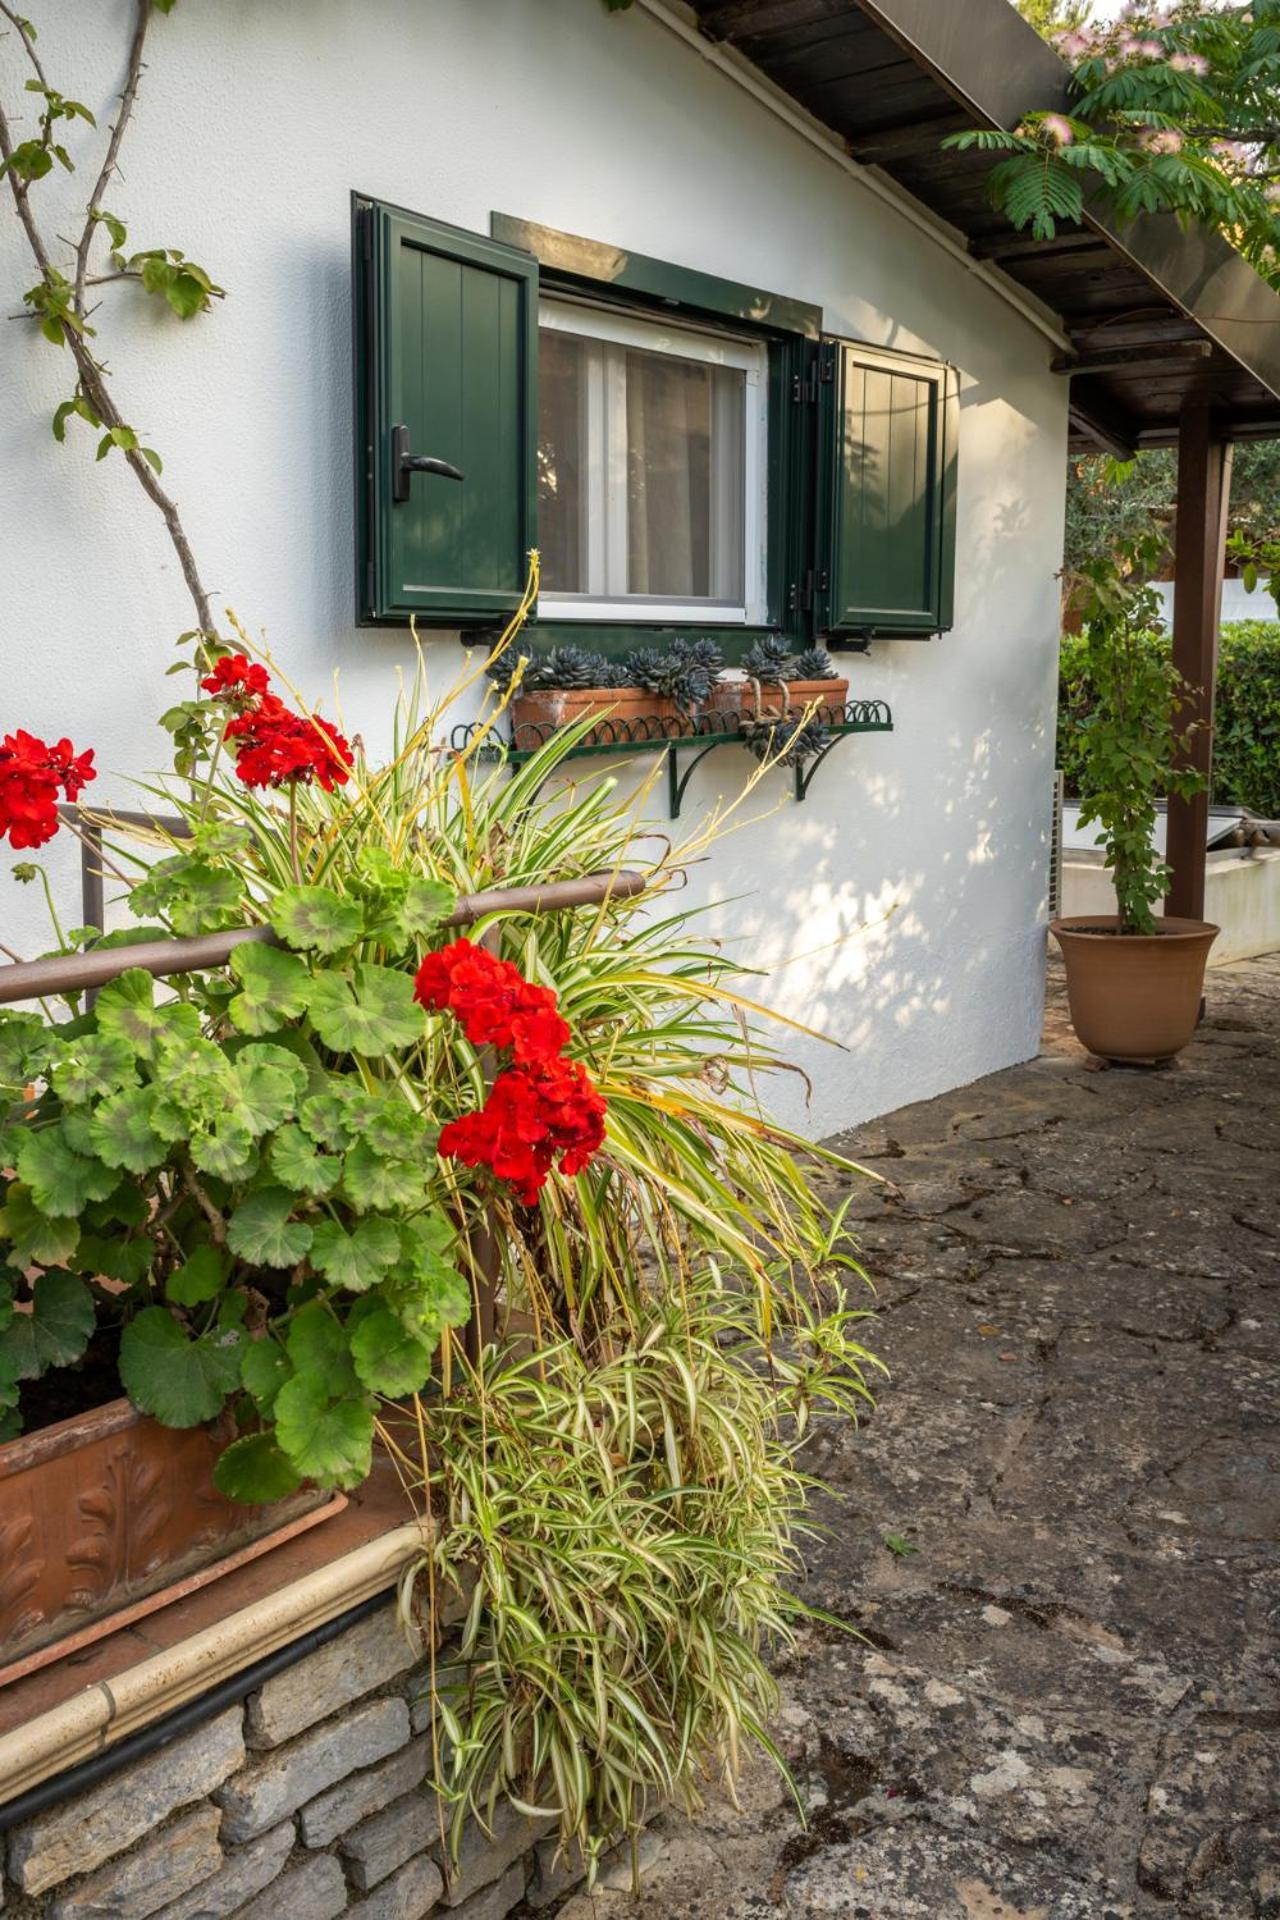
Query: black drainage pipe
<point x="99" y="1766"/>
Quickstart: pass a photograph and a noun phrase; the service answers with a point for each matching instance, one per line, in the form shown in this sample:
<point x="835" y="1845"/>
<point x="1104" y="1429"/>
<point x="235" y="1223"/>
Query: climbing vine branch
<point x="59" y="300"/>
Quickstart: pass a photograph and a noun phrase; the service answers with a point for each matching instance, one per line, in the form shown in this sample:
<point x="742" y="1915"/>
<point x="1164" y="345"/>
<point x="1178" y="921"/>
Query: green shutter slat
<point x="886" y="533"/>
<point x="446" y="339"/>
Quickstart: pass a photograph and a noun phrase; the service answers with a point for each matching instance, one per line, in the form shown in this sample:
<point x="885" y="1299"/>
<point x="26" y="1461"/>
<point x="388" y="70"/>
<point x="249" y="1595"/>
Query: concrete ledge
<point x="1242" y="896"/>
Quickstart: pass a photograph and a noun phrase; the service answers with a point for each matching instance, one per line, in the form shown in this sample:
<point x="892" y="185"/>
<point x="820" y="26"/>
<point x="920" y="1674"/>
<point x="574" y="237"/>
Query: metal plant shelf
<point x="691" y="740"/>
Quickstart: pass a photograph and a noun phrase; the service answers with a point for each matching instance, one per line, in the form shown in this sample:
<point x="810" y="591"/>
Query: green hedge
<point x="1246" y="753"/>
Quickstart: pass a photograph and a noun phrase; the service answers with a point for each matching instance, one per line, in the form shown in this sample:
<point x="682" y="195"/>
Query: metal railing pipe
<point x="83" y="972"/>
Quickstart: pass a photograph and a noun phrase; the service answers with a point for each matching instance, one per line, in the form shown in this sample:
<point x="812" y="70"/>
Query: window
<point x="683" y="450"/>
<point x="651" y="469"/>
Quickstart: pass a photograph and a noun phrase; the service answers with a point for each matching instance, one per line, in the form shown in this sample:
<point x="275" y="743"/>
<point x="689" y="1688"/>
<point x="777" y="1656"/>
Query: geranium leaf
<point x="226" y="1150"/>
<point x="327" y="1440"/>
<point x="270" y="1083"/>
<point x="97" y="1064"/>
<point x="372" y="1183"/>
<point x="181" y="1381"/>
<point x="426" y="903"/>
<point x="35" y="1240"/>
<point x="355" y="1260"/>
<point x="254" y="1469"/>
<point x="123" y="1134"/>
<point x="194" y="896"/>
<point x="339" y="1116"/>
<point x="126" y="1008"/>
<point x="389" y="1359"/>
<point x="201" y="1277"/>
<point x="316" y="920"/>
<point x="296" y="1163"/>
<point x="407" y="909"/>
<point x="54" y="1333"/>
<point x="430" y="1233"/>
<point x="394" y="1131"/>
<point x="320" y="1352"/>
<point x="370" y="1012"/>
<point x="61" y="1180"/>
<point x="26" y="1047"/>
<point x="261" y="1232"/>
<point x="128" y="1261"/>
<point x="273" y="988"/>
<point x="264" y="1368"/>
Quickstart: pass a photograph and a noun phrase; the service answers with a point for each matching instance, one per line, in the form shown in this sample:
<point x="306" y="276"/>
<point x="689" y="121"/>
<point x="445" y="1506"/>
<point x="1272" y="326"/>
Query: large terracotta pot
<point x="1134" y="996"/>
<point x="739" y="696"/>
<point x="627" y="713"/>
<point x="109" y="1515"/>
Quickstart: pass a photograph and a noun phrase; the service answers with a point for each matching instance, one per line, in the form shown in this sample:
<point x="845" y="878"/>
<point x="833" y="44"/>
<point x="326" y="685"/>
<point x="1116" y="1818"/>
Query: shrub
<point x="1246" y="750"/>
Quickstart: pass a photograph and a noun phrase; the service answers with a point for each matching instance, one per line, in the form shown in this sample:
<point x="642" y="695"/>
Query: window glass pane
<point x="685" y="481"/>
<point x="562" y="477"/>
<point x="642" y="472"/>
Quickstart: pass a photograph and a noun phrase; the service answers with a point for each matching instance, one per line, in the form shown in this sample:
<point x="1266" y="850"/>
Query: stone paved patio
<point x="1069" y="1706"/>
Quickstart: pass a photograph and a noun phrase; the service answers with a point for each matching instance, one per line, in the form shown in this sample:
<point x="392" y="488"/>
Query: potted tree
<point x="1134" y="979"/>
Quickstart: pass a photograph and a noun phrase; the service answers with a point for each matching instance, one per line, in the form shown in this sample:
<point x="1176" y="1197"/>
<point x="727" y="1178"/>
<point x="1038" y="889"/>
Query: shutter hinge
<point x="800" y="594"/>
<point x="826" y="367"/>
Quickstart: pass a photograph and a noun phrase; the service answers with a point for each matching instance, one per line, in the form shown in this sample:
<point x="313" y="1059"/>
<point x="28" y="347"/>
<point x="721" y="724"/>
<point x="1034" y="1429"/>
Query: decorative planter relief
<point x="108" y="1515"/>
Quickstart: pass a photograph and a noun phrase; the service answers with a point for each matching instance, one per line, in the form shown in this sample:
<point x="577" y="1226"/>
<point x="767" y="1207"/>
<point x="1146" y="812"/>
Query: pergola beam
<point x="1092" y="414"/>
<point x="1204" y="488"/>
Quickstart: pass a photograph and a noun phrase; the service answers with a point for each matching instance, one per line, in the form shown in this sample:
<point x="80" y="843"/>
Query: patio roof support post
<point x="1204" y="488"/>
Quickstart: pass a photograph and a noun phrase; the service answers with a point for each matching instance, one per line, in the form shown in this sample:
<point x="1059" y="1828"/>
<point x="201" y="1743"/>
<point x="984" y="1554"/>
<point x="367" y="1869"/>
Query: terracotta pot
<point x="1134" y="996"/>
<point x="109" y="1515"/>
<point x="629" y="713"/>
<point x="739" y="696"/>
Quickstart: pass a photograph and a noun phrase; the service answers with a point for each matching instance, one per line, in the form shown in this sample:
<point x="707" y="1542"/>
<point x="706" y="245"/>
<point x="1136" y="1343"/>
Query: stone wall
<point x="307" y="1800"/>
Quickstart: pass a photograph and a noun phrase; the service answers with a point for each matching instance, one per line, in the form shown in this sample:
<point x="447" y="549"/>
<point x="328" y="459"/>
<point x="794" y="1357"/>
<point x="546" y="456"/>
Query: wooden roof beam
<point x="1097" y="417"/>
<point x="1021" y="246"/>
<point x="884" y="145"/>
<point x="1125" y="359"/>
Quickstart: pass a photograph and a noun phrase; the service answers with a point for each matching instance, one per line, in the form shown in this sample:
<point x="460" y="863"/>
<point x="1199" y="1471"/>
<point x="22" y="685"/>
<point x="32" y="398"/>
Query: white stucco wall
<point x="902" y="905"/>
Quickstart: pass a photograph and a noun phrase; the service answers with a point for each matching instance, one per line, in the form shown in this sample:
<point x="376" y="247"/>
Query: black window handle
<point x="404" y="464"/>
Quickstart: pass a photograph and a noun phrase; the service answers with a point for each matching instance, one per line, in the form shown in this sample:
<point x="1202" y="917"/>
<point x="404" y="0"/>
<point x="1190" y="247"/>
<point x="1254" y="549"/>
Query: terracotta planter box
<point x="627" y="712"/>
<point x="109" y="1515"/>
<point x="739" y="696"/>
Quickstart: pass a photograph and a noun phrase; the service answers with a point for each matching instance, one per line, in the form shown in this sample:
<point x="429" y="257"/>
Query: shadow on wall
<point x="901" y="909"/>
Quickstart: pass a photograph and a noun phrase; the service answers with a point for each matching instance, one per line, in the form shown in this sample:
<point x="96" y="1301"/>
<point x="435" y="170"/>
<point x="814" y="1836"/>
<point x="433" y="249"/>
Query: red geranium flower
<point x="541" y="1107"/>
<point x="532" y="1115"/>
<point x="236" y="677"/>
<point x="276" y="747"/>
<point x="31" y="775"/>
<point x="495" y="1004"/>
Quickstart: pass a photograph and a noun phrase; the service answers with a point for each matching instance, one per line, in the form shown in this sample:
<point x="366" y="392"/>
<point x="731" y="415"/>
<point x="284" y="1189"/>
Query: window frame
<point x="711" y="346"/>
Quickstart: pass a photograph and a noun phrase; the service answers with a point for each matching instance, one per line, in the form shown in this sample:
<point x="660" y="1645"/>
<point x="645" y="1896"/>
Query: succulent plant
<point x="788" y="742"/>
<point x="767" y="658"/>
<point x="568" y="667"/>
<point x="815" y="663"/>
<point x="683" y="673"/>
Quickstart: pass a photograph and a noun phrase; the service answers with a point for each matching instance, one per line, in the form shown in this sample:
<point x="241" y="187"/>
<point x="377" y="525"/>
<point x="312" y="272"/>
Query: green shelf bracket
<point x="687" y="749"/>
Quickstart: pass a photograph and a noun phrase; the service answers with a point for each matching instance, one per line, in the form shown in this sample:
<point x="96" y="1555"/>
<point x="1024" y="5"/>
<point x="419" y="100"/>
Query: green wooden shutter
<point x="888" y="436"/>
<point x="446" y="363"/>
